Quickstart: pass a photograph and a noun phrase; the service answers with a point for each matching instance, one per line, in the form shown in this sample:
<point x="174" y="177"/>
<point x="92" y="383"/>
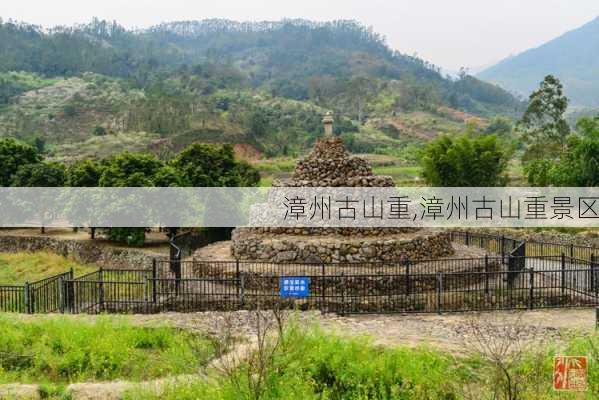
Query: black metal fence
<point x="504" y="245"/>
<point x="514" y="275"/>
<point x="43" y="296"/>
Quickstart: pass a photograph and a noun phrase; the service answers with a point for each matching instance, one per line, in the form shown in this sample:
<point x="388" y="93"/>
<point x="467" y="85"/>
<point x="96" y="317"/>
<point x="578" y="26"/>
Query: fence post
<point x="531" y="282"/>
<point x="593" y="272"/>
<point x="242" y="290"/>
<point x="237" y="276"/>
<point x="439" y="291"/>
<point x="61" y="295"/>
<point x="154" y="282"/>
<point x="323" y="288"/>
<point x="563" y="277"/>
<point x="467" y="238"/>
<point x="343" y="283"/>
<point x="101" y="287"/>
<point x="27" y="298"/>
<point x="571" y="250"/>
<point x="502" y="249"/>
<point x="486" y="274"/>
<point x="407" y="277"/>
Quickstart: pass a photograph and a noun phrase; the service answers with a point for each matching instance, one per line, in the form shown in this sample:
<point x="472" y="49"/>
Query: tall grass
<point x="59" y="349"/>
<point x="17" y="268"/>
<point x="314" y="365"/>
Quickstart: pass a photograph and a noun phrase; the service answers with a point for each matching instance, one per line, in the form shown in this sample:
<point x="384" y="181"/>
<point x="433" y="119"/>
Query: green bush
<point x="578" y="164"/>
<point x="67" y="350"/>
<point x="465" y="161"/>
<point x="130" y="236"/>
<point x="99" y="131"/>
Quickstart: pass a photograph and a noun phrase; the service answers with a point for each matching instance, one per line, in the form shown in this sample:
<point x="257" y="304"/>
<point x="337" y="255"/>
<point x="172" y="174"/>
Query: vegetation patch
<point x="62" y="350"/>
<point x="17" y="268"/>
<point x="314" y="365"/>
<point x="309" y="364"/>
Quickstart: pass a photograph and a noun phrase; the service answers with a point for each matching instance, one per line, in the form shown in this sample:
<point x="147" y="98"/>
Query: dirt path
<point x="446" y="332"/>
<point x="450" y="332"/>
<point x="442" y="331"/>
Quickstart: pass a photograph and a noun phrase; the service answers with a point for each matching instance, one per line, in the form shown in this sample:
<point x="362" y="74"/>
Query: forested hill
<point x="249" y="82"/>
<point x="572" y="57"/>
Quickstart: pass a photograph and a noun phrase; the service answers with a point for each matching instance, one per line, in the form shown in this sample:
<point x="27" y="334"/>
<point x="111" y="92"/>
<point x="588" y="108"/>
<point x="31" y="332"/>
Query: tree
<point x="249" y="176"/>
<point x="13" y="155"/>
<point x="207" y="165"/>
<point x="543" y="123"/>
<point x="257" y="124"/>
<point x="42" y="174"/>
<point x="578" y="165"/>
<point x="465" y="161"/>
<point x="361" y="89"/>
<point x="499" y="126"/>
<point x="538" y="172"/>
<point x="130" y="170"/>
<point x="83" y="173"/>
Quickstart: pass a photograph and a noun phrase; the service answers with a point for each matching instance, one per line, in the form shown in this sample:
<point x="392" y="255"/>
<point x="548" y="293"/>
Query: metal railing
<point x="510" y="276"/>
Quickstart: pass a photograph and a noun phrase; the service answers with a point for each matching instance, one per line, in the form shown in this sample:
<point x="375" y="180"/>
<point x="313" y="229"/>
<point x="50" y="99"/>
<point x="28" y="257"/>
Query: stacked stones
<point x="340" y="249"/>
<point x="330" y="165"/>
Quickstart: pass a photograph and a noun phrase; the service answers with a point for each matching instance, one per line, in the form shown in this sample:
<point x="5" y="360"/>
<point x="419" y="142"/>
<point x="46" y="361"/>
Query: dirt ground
<point x="446" y="332"/>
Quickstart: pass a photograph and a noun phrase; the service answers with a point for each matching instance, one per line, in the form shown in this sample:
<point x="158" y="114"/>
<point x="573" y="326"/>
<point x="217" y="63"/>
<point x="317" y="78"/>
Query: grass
<point x="402" y="175"/>
<point x="17" y="268"/>
<point x="104" y="146"/>
<point x="56" y="350"/>
<point x="315" y="365"/>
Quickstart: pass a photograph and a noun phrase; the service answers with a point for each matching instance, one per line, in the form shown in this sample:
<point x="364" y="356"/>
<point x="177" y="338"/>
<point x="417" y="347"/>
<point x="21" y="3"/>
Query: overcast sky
<point x="450" y="34"/>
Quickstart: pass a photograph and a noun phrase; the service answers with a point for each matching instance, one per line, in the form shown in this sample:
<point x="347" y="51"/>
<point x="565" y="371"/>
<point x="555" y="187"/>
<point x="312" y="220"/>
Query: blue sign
<point x="294" y="286"/>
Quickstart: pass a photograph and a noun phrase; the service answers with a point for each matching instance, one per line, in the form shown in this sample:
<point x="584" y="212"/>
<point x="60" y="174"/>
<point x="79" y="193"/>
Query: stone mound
<point x="340" y="249"/>
<point x="330" y="165"/>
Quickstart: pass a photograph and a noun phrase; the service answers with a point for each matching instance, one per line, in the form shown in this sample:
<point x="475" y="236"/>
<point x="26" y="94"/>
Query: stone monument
<point x="330" y="165"/>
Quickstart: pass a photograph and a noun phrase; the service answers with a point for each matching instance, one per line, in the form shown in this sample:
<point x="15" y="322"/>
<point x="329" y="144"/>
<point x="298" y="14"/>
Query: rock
<point x="285" y="256"/>
<point x="313" y="259"/>
<point x="18" y="391"/>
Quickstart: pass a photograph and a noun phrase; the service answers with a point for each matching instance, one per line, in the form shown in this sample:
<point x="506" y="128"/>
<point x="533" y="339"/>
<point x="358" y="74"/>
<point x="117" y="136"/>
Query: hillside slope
<point x="572" y="57"/>
<point x="263" y="84"/>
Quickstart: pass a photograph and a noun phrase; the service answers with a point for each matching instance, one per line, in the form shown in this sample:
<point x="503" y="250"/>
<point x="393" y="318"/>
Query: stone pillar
<point x="328" y="124"/>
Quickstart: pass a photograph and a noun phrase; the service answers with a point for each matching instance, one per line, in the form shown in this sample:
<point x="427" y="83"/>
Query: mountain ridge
<point x="573" y="57"/>
<point x="265" y="84"/>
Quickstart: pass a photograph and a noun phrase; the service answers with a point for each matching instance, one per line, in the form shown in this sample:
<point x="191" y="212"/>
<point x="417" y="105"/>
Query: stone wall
<point x="80" y="250"/>
<point x="338" y="249"/>
<point x="355" y="232"/>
